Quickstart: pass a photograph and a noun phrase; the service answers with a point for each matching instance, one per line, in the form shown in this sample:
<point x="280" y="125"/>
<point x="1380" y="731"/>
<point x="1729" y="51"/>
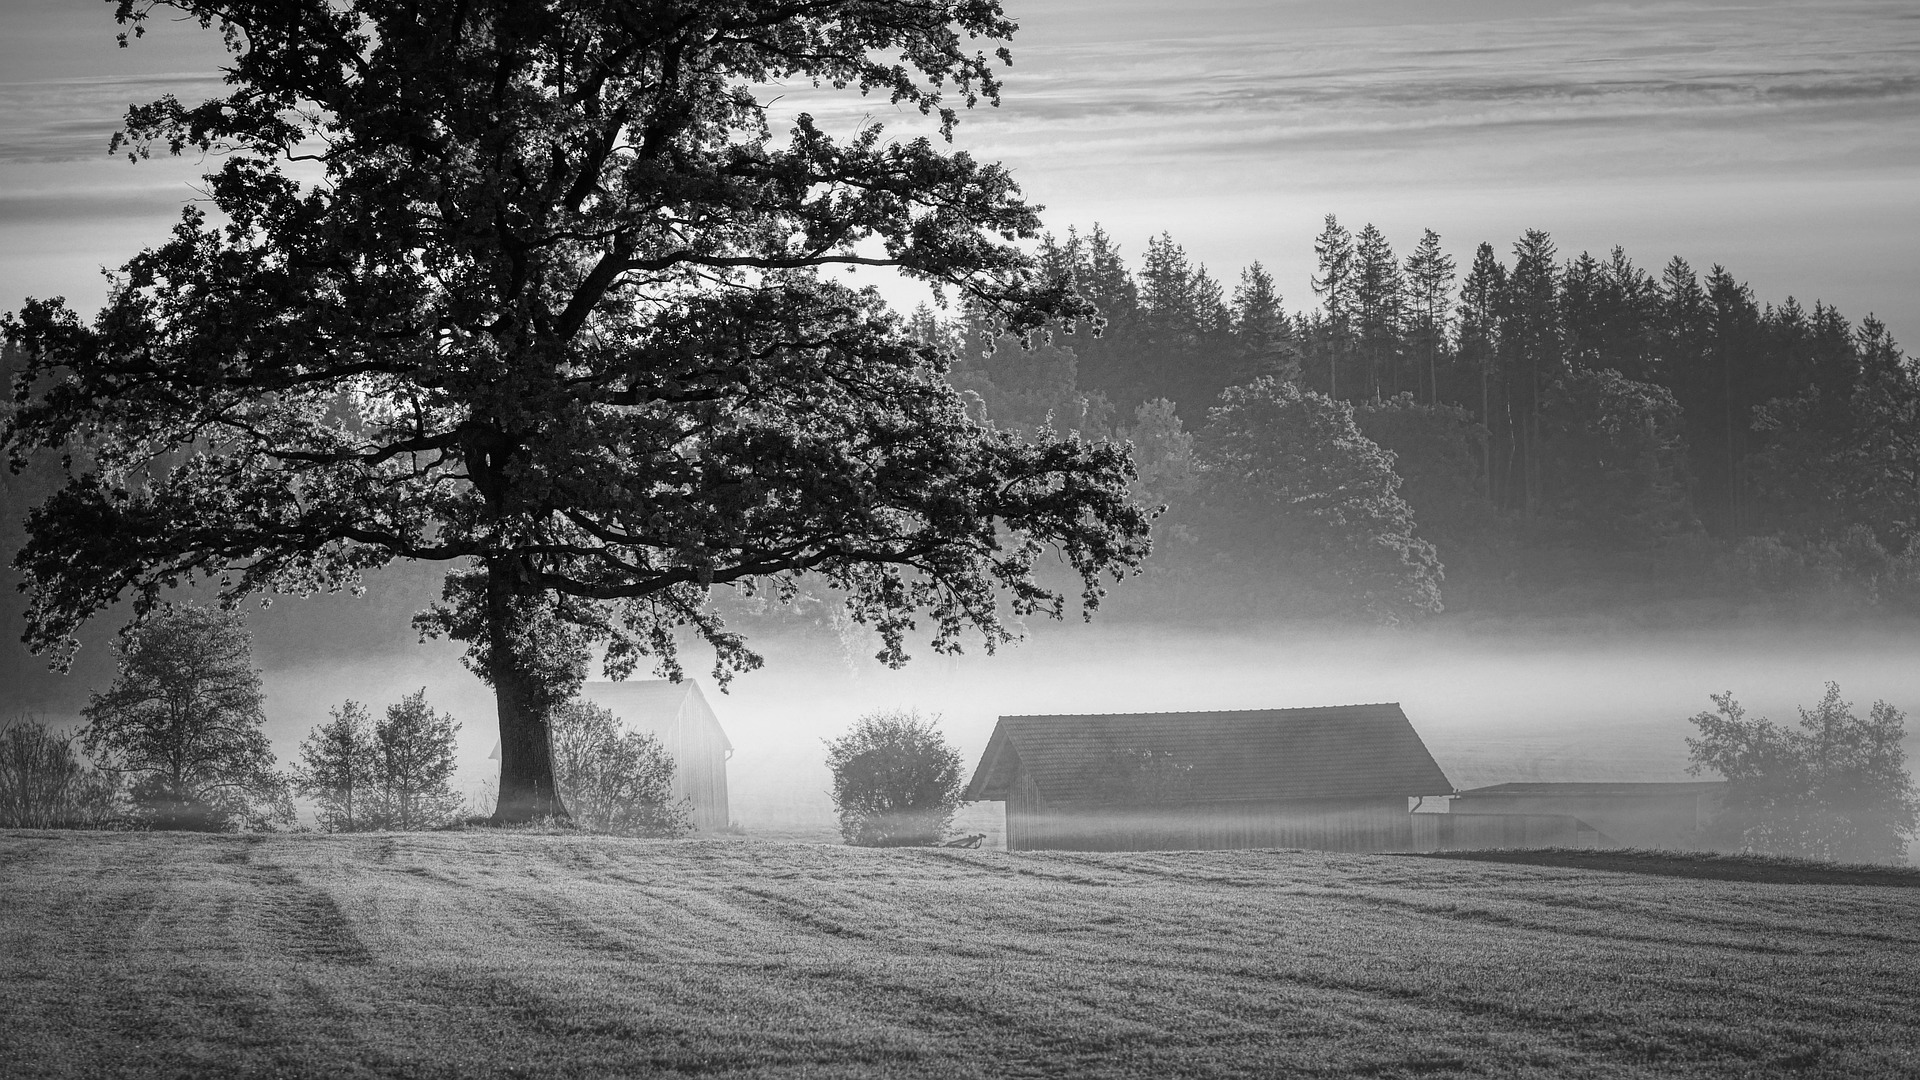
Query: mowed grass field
<point x="503" y="954"/>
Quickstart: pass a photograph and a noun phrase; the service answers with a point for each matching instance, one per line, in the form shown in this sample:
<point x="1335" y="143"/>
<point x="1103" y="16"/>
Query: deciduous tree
<point x="414" y="750"/>
<point x="1838" y="788"/>
<point x="1287" y="475"/>
<point x="544" y="304"/>
<point x="339" y="768"/>
<point x="613" y="780"/>
<point x="183" y="723"/>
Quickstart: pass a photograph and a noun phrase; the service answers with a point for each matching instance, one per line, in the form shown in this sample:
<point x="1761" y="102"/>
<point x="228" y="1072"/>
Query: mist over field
<point x="1495" y="699"/>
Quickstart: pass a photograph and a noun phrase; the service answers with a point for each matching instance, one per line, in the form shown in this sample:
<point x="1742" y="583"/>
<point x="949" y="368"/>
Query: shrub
<point x="45" y="785"/>
<point x="613" y="781"/>
<point x="896" y="780"/>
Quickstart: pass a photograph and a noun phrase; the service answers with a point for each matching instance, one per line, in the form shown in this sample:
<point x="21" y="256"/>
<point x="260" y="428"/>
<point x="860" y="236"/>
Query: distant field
<point x="488" y="954"/>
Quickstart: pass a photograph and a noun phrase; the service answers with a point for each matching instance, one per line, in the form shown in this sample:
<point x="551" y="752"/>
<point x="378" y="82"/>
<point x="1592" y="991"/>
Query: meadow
<point x="484" y="953"/>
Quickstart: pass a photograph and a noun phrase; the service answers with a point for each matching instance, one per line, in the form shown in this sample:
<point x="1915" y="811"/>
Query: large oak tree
<point x="534" y="288"/>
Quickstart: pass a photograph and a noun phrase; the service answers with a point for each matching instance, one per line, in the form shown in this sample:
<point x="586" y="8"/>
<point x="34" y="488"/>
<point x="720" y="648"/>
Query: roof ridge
<point x="1206" y="712"/>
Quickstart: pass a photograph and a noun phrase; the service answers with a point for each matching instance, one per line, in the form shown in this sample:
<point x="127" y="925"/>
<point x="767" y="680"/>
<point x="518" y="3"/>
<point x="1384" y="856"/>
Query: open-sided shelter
<point x="1644" y="815"/>
<point x="678" y="715"/>
<point x="1336" y="778"/>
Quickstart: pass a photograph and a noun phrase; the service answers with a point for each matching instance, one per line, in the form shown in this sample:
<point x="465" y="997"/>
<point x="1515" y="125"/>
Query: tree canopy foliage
<point x="1570" y="429"/>
<point x="532" y="288"/>
<point x="1837" y="788"/>
<point x="896" y="780"/>
<point x="182" y="722"/>
<point x="614" y="780"/>
<point x="1289" y="475"/>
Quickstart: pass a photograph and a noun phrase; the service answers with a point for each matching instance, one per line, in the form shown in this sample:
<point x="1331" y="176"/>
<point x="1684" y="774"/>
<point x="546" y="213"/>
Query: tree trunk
<point x="527" y="791"/>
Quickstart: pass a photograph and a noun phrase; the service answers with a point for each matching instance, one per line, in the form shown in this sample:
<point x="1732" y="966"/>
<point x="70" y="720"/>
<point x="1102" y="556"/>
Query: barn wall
<point x="1369" y="824"/>
<point x="1472" y="832"/>
<point x="700" y="766"/>
<point x="1644" y="821"/>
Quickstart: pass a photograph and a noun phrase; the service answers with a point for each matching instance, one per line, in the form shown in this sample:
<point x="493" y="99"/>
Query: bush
<point x="45" y="785"/>
<point x="614" y="781"/>
<point x="896" y="780"/>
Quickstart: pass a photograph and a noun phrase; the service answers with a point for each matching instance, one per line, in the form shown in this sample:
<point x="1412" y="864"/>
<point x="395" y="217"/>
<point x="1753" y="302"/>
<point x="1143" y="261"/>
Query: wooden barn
<point x="1335" y="779"/>
<point x="1641" y="815"/>
<point x="679" y="716"/>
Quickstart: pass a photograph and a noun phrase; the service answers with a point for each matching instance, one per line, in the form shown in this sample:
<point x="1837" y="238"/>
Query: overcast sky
<point x="1781" y="139"/>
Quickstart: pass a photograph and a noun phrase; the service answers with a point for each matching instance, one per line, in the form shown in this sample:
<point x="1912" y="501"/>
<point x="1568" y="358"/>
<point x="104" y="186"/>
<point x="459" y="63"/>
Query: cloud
<point x="71" y="119"/>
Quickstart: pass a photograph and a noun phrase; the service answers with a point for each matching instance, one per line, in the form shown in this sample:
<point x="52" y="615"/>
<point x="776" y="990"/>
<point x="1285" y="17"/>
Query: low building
<point x="1338" y="778"/>
<point x="678" y="715"/>
<point x="1639" y="815"/>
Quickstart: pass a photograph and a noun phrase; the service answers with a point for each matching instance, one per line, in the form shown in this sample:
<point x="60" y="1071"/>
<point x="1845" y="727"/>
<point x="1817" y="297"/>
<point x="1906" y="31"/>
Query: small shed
<point x="678" y="715"/>
<point x="1337" y="778"/>
<point x="1674" y="816"/>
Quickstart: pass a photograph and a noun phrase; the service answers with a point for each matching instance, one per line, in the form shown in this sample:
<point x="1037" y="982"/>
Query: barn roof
<point x="651" y="704"/>
<point x="1328" y="752"/>
<point x="1598" y="790"/>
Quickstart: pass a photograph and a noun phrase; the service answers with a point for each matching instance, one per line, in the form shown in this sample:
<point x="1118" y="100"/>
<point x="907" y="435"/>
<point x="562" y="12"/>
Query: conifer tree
<point x="1530" y="340"/>
<point x="1333" y="283"/>
<point x="1263" y="335"/>
<point x="1430" y="276"/>
<point x="1482" y="304"/>
<point x="1378" y="308"/>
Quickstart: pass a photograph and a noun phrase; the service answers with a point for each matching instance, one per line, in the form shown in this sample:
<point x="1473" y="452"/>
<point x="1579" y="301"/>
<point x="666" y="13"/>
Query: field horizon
<point x="489" y="953"/>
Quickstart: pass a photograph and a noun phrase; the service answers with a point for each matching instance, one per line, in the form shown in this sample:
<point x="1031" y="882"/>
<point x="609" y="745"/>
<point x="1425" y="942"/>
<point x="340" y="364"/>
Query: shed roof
<point x="1328" y="752"/>
<point x="653" y="704"/>
<point x="1598" y="790"/>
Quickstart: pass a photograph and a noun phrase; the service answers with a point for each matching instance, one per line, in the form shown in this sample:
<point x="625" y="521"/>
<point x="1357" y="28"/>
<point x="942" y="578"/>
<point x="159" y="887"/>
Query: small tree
<point x="340" y="767"/>
<point x="612" y="780"/>
<point x="45" y="785"/>
<point x="1836" y="789"/>
<point x="414" y="750"/>
<point x="183" y="721"/>
<point x="896" y="780"/>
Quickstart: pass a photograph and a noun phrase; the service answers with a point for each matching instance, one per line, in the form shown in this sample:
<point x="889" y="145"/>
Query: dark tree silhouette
<point x="183" y="723"/>
<point x="551" y="313"/>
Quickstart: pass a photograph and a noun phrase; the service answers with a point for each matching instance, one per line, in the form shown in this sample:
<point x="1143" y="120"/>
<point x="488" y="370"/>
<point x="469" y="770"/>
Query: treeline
<point x="178" y="741"/>
<point x="1532" y="402"/>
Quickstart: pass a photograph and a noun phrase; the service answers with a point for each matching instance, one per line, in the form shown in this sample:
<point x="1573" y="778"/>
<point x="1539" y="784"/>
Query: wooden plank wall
<point x="1373" y="824"/>
<point x="1470" y="832"/>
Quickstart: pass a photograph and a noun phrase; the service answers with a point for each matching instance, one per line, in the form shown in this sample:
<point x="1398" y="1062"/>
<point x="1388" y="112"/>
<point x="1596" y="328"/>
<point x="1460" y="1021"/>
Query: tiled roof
<point x="1330" y="752"/>
<point x="1599" y="790"/>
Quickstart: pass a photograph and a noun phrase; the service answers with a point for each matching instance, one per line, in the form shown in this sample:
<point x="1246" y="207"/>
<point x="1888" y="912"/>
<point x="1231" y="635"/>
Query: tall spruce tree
<point x="1530" y="340"/>
<point x="1263" y="335"/>
<point x="1333" y="282"/>
<point x="1378" y="309"/>
<point x="1483" y="298"/>
<point x="1430" y="275"/>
